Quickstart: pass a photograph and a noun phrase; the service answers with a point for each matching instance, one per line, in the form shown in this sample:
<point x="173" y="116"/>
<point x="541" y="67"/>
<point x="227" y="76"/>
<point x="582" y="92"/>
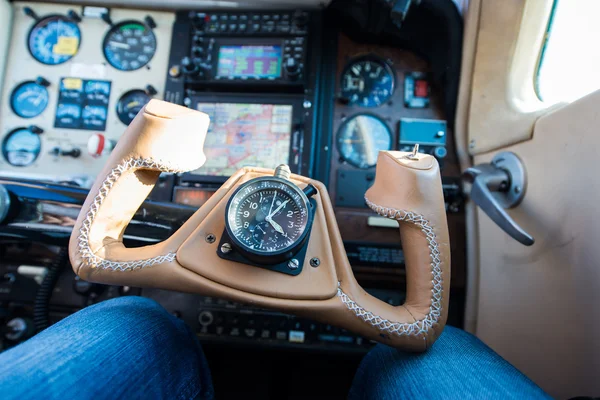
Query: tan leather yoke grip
<point x="408" y="189"/>
<point x="158" y="140"/>
<point x="166" y="137"/>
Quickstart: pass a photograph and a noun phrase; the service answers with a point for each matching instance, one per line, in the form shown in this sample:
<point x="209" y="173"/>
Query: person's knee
<point x="131" y="305"/>
<point x="129" y="316"/>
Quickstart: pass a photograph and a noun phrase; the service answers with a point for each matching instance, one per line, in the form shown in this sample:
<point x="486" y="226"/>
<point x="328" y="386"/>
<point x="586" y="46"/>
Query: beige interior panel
<point x="5" y="27"/>
<point x="539" y="305"/>
<point x="503" y="105"/>
<point x="89" y="62"/>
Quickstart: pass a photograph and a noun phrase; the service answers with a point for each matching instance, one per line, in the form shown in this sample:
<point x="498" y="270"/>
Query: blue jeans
<point x="132" y="348"/>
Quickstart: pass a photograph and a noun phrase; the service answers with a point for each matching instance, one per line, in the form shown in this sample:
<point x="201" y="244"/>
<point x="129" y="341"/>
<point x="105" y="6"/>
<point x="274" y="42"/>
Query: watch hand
<point x="270" y="208"/>
<point x="277" y="209"/>
<point x="276" y="226"/>
<point x="261" y="229"/>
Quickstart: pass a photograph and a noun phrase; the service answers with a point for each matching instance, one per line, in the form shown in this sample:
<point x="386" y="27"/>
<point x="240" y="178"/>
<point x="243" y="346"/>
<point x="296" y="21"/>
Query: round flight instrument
<point x="29" y="99"/>
<point x="367" y="82"/>
<point x="129" y="45"/>
<point x="267" y="219"/>
<point x="54" y="40"/>
<point x="361" y="138"/>
<point x="21" y="147"/>
<point x="130" y="104"/>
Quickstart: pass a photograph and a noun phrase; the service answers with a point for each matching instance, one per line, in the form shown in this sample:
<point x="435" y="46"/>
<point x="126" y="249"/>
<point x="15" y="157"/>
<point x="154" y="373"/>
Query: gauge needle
<point x="261" y="229"/>
<point x="119" y="45"/>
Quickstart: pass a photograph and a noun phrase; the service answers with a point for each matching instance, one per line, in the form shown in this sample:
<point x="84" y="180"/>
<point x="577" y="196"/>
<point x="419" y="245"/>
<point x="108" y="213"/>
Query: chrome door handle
<point x="498" y="186"/>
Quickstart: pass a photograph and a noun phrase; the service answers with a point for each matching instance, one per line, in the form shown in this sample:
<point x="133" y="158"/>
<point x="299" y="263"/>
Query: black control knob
<point x="205" y="318"/>
<point x="151" y="90"/>
<point x="74" y="152"/>
<point x="199" y="40"/>
<point x="36" y="129"/>
<point x="292" y="68"/>
<point x="42" y="81"/>
<point x="199" y="22"/>
<point x="198" y="51"/>
<point x="18" y="329"/>
<point x="300" y="19"/>
<point x="85" y="288"/>
<point x="188" y="67"/>
<point x="439" y="152"/>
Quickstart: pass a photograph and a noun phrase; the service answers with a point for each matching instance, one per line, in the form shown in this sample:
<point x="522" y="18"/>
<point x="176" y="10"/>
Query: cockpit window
<point x="570" y="58"/>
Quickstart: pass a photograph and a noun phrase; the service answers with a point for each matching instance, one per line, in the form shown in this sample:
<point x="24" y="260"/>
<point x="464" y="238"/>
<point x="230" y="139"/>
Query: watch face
<point x="267" y="216"/>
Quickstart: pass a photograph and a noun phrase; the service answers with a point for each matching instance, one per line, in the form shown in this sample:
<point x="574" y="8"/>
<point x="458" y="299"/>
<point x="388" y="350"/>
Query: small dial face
<point x="367" y="82"/>
<point x="54" y="40"/>
<point x="130" y="104"/>
<point x="267" y="215"/>
<point x="361" y="138"/>
<point x="129" y="45"/>
<point x="21" y="147"/>
<point x="29" y="99"/>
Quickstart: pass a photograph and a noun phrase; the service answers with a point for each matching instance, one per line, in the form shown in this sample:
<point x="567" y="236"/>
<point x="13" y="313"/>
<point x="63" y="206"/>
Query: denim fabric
<point x="131" y="348"/>
<point x="458" y="366"/>
<point x="127" y="348"/>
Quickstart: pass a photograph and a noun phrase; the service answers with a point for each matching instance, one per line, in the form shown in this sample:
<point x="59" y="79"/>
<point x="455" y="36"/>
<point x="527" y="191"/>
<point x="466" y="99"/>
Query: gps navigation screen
<point x="242" y="135"/>
<point x="249" y="62"/>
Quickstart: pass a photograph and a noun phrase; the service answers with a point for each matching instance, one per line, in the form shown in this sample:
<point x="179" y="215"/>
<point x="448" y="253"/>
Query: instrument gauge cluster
<point x="367" y="81"/>
<point x="130" y="104"/>
<point x="54" y="39"/>
<point x="361" y="138"/>
<point x="30" y="98"/>
<point x="129" y="45"/>
<point x="21" y="147"/>
<point x="73" y="74"/>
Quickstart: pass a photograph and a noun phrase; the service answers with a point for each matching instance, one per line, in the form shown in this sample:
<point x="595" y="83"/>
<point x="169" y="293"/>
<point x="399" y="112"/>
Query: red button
<point x="421" y="88"/>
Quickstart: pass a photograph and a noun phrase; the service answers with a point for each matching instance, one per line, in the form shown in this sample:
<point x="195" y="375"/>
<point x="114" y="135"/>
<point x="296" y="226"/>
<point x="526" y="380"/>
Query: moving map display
<point x="249" y="61"/>
<point x="242" y="135"/>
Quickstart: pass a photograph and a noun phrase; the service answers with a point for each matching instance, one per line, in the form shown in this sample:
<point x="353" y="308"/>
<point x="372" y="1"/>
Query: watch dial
<point x="267" y="215"/>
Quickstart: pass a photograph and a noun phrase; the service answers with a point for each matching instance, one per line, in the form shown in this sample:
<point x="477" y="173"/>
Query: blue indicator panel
<point x="422" y="131"/>
<point x="82" y="104"/>
<point x="260" y="61"/>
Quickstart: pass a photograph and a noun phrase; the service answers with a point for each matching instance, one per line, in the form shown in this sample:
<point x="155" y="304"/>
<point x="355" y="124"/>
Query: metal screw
<point x="472" y="144"/>
<point x="517" y="189"/>
<point x="210" y="238"/>
<point x="307" y="104"/>
<point x="315" y="262"/>
<point x="293" y="264"/>
<point x="225" y="248"/>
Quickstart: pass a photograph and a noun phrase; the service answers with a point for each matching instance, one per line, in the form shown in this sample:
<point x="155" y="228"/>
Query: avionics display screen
<point x="256" y="61"/>
<point x="242" y="134"/>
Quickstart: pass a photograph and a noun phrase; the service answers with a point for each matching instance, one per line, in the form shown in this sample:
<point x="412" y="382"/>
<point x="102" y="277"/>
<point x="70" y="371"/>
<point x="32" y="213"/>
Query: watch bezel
<point x="271" y="256"/>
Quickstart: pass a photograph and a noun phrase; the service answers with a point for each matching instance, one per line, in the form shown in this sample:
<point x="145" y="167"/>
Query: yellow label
<point x="72" y="83"/>
<point x="66" y="46"/>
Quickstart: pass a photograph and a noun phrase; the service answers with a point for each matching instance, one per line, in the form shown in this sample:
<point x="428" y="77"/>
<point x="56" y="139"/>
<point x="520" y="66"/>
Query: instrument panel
<point x="386" y="100"/>
<point x="76" y="77"/>
<point x="75" y="73"/>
